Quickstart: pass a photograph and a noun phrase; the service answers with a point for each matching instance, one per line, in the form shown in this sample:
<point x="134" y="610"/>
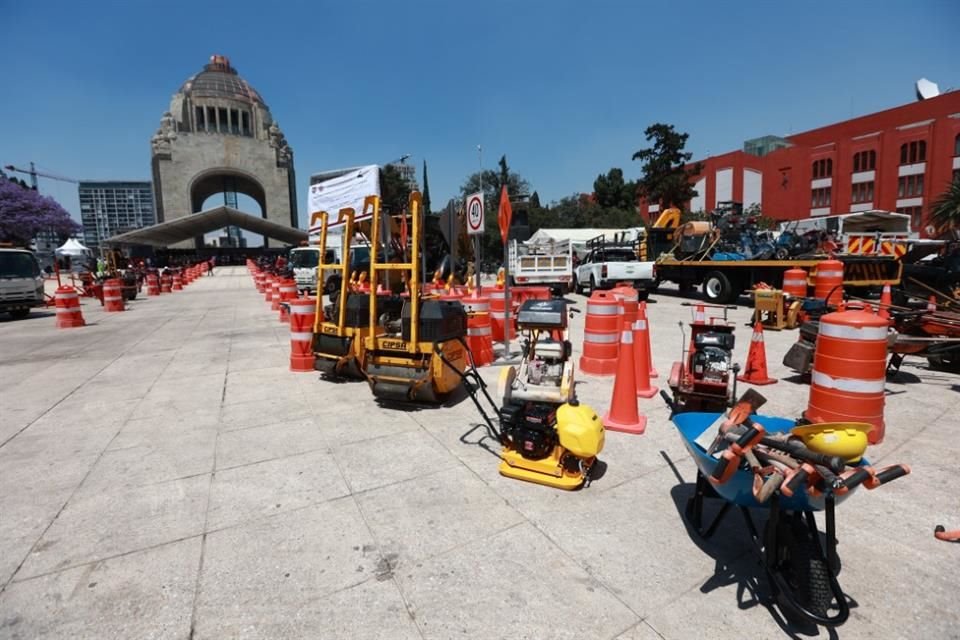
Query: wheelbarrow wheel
<point x="811" y="575"/>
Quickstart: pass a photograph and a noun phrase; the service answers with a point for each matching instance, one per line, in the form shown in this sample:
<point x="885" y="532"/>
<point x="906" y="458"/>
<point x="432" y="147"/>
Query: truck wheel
<point x="717" y="288"/>
<point x="19" y="314"/>
<point x="593" y="284"/>
<point x="576" y="285"/>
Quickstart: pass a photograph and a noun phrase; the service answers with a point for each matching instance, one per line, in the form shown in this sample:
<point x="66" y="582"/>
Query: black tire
<point x="642" y="295"/>
<point x="593" y="284"/>
<point x="781" y="253"/>
<point x="717" y="288"/>
<point x="811" y="576"/>
<point x="19" y="314"/>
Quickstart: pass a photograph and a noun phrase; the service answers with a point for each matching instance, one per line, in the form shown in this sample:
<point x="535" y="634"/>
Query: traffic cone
<point x="756" y="371"/>
<point x="886" y="301"/>
<point x="641" y="357"/>
<point x="700" y="315"/>
<point x="932" y="304"/>
<point x="623" y="414"/>
<point x="642" y="313"/>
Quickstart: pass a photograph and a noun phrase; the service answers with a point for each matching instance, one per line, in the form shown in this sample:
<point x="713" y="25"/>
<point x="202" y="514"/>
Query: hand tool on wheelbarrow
<point x="940" y="533"/>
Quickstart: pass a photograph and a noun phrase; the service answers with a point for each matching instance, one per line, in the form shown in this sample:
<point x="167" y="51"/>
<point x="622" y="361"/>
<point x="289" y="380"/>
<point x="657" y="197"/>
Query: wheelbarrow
<point x="802" y="569"/>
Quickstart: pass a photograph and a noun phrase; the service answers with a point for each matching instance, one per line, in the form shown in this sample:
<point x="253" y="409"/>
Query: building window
<point x="862" y="192"/>
<point x="245" y="123"/>
<point x="822" y="168"/>
<point x="201" y="118"/>
<point x="234" y="122"/>
<point x="864" y="161"/>
<point x="820" y="197"/>
<point x="222" y="123"/>
<point x="910" y="186"/>
<point x="956" y="145"/>
<point x="915" y="213"/>
<point x="913" y="152"/>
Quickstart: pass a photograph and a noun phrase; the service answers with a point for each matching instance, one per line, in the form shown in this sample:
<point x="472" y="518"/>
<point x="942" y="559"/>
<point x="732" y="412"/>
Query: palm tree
<point x="945" y="212"/>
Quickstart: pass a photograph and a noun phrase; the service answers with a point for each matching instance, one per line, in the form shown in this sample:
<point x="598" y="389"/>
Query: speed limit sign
<point x="475" y="213"/>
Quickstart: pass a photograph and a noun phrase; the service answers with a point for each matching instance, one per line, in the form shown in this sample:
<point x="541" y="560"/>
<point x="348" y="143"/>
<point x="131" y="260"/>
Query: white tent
<point x="73" y="248"/>
<point x="579" y="237"/>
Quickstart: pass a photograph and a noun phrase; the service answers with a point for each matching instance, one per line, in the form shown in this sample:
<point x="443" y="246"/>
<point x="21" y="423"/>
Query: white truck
<point x="547" y="263"/>
<point x="304" y="262"/>
<point x="608" y="263"/>
<point x="21" y="282"/>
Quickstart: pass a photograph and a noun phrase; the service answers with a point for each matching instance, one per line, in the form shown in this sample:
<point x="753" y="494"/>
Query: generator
<point x="705" y="377"/>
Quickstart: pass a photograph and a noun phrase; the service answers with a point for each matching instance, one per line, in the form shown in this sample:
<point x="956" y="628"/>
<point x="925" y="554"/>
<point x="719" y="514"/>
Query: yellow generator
<point x="341" y="327"/>
<point x="418" y="354"/>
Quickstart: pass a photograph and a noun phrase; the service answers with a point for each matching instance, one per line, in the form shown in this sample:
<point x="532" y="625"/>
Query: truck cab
<point x="609" y="263"/>
<point x="305" y="260"/>
<point x="21" y="282"/>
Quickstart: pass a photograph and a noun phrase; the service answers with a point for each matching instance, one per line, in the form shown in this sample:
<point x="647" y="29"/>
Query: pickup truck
<point x="304" y="261"/>
<point x="545" y="264"/>
<point x="21" y="282"/>
<point x="604" y="267"/>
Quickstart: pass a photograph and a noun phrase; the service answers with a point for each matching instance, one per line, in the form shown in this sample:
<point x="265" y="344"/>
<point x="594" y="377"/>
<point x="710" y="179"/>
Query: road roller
<point x="419" y="354"/>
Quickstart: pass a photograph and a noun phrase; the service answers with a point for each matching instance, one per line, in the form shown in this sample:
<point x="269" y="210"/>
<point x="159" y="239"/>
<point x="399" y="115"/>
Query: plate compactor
<point x="705" y="379"/>
<point x="342" y="326"/>
<point x="548" y="437"/>
<point x="414" y="350"/>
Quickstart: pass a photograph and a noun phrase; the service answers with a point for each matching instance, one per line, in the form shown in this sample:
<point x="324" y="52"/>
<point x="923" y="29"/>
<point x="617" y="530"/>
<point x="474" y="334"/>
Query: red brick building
<point x="900" y="159"/>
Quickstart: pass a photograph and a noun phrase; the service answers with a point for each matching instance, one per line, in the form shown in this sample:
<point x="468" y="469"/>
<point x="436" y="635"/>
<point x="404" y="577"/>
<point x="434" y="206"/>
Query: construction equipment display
<point x="340" y="329"/>
<point x="547" y="436"/>
<point x="705" y="377"/>
<point x="752" y="461"/>
<point x="418" y="354"/>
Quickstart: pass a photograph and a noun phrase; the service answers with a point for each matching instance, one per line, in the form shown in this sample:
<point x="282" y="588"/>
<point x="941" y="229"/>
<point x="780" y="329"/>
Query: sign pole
<point x="476" y="238"/>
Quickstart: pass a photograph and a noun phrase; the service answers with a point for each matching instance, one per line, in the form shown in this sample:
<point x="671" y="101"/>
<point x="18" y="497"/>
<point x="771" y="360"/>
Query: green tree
<point x="612" y="192"/>
<point x="535" y="200"/>
<point x="426" y="190"/>
<point x="394" y="189"/>
<point x="945" y="211"/>
<point x="665" y="176"/>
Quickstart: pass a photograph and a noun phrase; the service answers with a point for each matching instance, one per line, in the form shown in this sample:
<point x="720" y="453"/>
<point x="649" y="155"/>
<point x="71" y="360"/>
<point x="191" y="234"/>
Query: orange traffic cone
<point x="642" y="313"/>
<point x="700" y="315"/>
<point x="641" y="357"/>
<point x="886" y="301"/>
<point x="756" y="371"/>
<point x="623" y="414"/>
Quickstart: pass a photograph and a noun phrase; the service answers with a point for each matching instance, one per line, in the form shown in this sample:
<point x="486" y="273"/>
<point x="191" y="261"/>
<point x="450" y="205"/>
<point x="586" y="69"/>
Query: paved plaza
<point x="163" y="475"/>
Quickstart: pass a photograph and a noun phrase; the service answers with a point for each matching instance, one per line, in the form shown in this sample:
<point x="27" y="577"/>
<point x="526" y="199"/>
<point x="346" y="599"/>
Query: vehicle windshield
<point x="360" y="255"/>
<point x="619" y="255"/>
<point x="17" y="264"/>
<point x="304" y="258"/>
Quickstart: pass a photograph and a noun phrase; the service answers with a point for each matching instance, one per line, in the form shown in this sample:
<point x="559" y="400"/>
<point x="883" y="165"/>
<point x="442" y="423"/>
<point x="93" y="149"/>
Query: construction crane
<point x="34" y="174"/>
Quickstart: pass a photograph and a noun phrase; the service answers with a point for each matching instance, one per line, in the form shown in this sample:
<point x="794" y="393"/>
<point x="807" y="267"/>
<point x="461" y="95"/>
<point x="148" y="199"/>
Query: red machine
<point x="705" y="377"/>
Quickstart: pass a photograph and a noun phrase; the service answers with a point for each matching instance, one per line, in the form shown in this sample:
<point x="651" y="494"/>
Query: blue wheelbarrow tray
<point x="739" y="489"/>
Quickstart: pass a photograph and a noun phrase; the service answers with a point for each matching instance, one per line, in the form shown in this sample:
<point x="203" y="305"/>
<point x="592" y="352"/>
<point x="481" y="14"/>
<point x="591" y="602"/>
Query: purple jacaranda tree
<point x="24" y="213"/>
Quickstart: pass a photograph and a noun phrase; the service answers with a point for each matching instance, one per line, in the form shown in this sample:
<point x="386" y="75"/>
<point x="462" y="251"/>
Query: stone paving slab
<point x="163" y="475"/>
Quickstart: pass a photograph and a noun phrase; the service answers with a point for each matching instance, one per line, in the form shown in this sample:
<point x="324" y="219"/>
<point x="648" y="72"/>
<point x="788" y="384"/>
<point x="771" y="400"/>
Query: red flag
<point x="504" y="214"/>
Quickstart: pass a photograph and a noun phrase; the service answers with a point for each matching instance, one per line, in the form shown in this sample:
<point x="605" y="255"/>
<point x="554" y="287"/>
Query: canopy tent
<point x="579" y="237"/>
<point x="172" y="231"/>
<point x="73" y="248"/>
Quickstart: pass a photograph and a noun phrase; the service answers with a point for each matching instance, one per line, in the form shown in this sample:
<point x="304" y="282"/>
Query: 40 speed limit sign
<point x="475" y="213"/>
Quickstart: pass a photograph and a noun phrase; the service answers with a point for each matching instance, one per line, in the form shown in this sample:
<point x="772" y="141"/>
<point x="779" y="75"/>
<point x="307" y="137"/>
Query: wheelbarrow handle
<point x="888" y="474"/>
<point x="797" y="479"/>
<point x="857" y="477"/>
<point x="836" y="464"/>
<point x="726" y="466"/>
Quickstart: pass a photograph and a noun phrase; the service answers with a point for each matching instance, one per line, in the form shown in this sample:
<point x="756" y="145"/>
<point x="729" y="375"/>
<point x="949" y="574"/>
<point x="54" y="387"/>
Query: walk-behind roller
<point x="419" y="354"/>
<point x="340" y="329"/>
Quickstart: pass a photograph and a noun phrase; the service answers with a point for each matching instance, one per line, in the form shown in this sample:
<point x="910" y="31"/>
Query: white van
<point x="21" y="282"/>
<point x="304" y="260"/>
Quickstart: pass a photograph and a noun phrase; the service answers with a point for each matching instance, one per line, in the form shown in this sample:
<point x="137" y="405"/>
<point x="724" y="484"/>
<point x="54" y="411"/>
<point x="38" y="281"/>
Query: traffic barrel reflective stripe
<point x="847" y="384"/>
<point x="600" y="338"/>
<point x="828" y="282"/>
<point x="848" y="332"/>
<point x="795" y="283"/>
<point x="601" y="333"/>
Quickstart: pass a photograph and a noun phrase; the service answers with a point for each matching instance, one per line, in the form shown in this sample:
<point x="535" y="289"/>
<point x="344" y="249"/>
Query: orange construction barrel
<point x="828" y="282"/>
<point x="302" y="314"/>
<point x="68" y="308"/>
<point x="795" y="283"/>
<point x="479" y="328"/>
<point x="153" y="284"/>
<point x="630" y="300"/>
<point x="849" y="370"/>
<point x="498" y="310"/>
<point x="601" y="334"/>
<point x="113" y="295"/>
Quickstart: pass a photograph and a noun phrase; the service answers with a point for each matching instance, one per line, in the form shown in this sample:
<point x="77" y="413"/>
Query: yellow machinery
<point x="418" y="355"/>
<point x="341" y="327"/>
<point x="547" y="436"/>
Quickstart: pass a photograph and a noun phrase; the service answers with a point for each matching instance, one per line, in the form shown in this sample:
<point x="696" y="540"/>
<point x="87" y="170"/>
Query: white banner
<point x="346" y="190"/>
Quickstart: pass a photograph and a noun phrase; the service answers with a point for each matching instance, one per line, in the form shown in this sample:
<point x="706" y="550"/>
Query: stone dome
<point x="220" y="80"/>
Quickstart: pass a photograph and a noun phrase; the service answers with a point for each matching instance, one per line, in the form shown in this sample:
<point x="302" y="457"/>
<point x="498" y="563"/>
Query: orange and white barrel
<point x="479" y="328"/>
<point x="204" y="267"/>
<point x="498" y="313"/>
<point x="153" y="284"/>
<point x="629" y="300"/>
<point x="601" y="334"/>
<point x="288" y="292"/>
<point x="268" y="288"/>
<point x="177" y="282"/>
<point x="68" y="308"/>
<point x="849" y="370"/>
<point x="795" y="283"/>
<point x="275" y="294"/>
<point x="166" y="283"/>
<point x="113" y="295"/>
<point x="302" y="315"/>
<point x="828" y="282"/>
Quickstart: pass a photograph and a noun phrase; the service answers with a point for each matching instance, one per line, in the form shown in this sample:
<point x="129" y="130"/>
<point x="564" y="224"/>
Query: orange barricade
<point x="166" y="283"/>
<point x="153" y="284"/>
<point x="849" y="371"/>
<point x="275" y="294"/>
<point x="630" y="300"/>
<point x="302" y="313"/>
<point x="795" y="283"/>
<point x="288" y="292"/>
<point x="479" y="328"/>
<point x="113" y="295"/>
<point x="68" y="308"/>
<point x="177" y="282"/>
<point x="828" y="282"/>
<point x="601" y="334"/>
<point x="498" y="314"/>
